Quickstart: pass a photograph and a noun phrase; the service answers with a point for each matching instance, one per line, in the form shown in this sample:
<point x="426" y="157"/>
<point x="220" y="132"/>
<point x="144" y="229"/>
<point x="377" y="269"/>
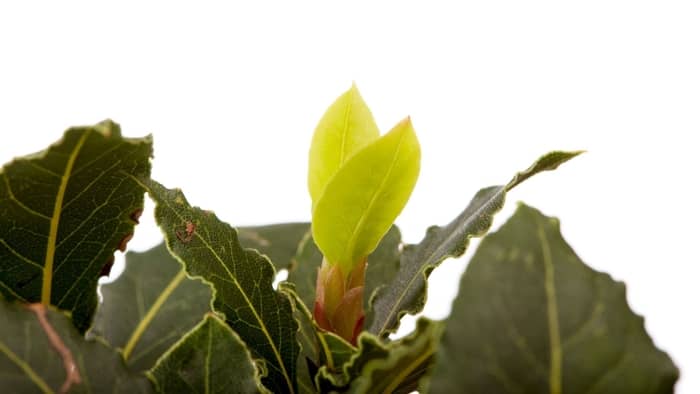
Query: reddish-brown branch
<point x="72" y="372"/>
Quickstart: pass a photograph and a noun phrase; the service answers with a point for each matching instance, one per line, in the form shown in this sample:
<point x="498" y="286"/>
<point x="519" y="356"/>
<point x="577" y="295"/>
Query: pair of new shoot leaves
<point x="359" y="183"/>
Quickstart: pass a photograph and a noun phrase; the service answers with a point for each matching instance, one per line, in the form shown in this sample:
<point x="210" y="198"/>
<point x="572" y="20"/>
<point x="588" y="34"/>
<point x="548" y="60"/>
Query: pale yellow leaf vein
<point x="263" y="327"/>
<point x="398" y="377"/>
<point x="18" y="202"/>
<point x="555" y="356"/>
<point x="19" y="255"/>
<point x="375" y="195"/>
<point x="10" y="290"/>
<point x="432" y="260"/>
<point x="55" y="220"/>
<point x="207" y="363"/>
<point x="150" y="315"/>
<point x="346" y="129"/>
<point x="26" y="368"/>
<point x="234" y="280"/>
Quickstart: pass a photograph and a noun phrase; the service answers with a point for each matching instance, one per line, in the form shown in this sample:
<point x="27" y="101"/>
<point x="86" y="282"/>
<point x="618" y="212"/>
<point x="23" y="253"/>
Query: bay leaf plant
<point x="200" y="313"/>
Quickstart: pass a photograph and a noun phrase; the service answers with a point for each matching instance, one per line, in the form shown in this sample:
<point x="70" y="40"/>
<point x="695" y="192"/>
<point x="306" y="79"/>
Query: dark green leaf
<point x="531" y="317"/>
<point x="405" y="364"/>
<point x="31" y="363"/>
<point x="334" y="351"/>
<point x="318" y="346"/>
<point x="382" y="266"/>
<point x="407" y="292"/>
<point x="63" y="213"/>
<point x="242" y="280"/>
<point x="308" y="361"/>
<point x="377" y="367"/>
<point x="304" y="270"/>
<point x="150" y="306"/>
<point x="278" y="241"/>
<point x="209" y="359"/>
<point x="338" y="379"/>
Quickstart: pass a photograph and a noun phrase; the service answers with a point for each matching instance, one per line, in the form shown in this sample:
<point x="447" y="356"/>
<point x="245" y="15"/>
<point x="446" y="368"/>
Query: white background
<point x="232" y="95"/>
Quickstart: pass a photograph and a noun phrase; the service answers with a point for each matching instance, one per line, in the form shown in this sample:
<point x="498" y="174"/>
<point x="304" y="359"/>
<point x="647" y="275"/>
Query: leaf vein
<point x="12" y="197"/>
<point x="555" y="357"/>
<point x="20" y="255"/>
<point x="26" y="368"/>
<point x="55" y="220"/>
<point x="432" y="261"/>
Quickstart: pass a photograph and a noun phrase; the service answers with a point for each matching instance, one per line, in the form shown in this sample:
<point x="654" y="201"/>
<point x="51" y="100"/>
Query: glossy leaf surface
<point x="362" y="200"/>
<point x="63" y="213"/>
<point x="345" y="128"/>
<point x="531" y="317"/>
<point x="150" y="306"/>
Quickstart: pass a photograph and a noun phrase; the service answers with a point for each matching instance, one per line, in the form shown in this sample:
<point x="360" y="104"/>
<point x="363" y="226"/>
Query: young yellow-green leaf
<point x="209" y="359"/>
<point x="345" y="128"/>
<point x="241" y="278"/>
<point x="63" y="213"/>
<point x="360" y="203"/>
<point x="531" y="317"/>
<point x="382" y="265"/>
<point x="38" y="345"/>
<point x="407" y="291"/>
<point x="149" y="307"/>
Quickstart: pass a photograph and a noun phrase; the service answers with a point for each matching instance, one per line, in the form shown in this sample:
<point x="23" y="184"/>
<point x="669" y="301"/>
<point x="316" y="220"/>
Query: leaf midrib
<point x="47" y="278"/>
<point x="234" y="280"/>
<point x="346" y="130"/>
<point x="420" y="271"/>
<point x="399" y="377"/>
<point x="555" y="354"/>
<point x="365" y="214"/>
<point x="150" y="315"/>
<point x="263" y="327"/>
<point x="207" y="361"/>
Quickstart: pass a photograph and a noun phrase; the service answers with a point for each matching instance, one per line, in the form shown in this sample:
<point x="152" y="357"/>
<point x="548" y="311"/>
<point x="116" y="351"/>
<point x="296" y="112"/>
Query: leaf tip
<point x="108" y="128"/>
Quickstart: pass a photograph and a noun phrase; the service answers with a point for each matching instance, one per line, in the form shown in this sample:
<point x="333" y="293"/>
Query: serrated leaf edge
<point x="107" y="129"/>
<point x="519" y="177"/>
<point x="429" y="334"/>
<point x="234" y="280"/>
<point x="425" y="271"/>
